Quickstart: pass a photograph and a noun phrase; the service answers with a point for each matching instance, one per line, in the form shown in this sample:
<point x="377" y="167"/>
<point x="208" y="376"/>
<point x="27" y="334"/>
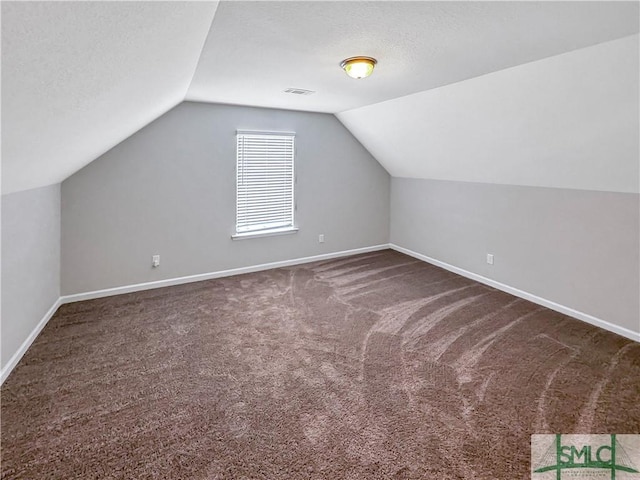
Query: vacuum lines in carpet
<point x="376" y="366"/>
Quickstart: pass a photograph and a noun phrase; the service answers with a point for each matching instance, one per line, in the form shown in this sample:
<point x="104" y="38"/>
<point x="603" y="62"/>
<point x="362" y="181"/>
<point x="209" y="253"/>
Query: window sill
<point x="265" y="233"/>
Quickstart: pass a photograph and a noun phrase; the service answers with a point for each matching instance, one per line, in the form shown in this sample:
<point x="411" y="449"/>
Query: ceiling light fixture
<point x="358" y="67"/>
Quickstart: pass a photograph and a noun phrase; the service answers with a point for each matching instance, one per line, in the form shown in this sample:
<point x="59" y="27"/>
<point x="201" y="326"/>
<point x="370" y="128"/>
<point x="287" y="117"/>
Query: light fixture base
<point x="358" y="67"/>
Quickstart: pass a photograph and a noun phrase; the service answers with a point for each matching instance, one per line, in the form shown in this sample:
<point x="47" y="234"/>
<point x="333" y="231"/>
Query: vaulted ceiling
<point x="79" y="77"/>
<point x="255" y="50"/>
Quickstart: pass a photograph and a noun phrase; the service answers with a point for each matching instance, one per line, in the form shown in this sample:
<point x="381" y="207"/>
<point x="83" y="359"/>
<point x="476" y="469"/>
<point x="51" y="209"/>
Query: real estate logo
<point x="573" y="457"/>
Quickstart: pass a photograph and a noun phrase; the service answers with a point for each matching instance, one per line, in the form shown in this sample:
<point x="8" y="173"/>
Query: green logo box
<point x="581" y="457"/>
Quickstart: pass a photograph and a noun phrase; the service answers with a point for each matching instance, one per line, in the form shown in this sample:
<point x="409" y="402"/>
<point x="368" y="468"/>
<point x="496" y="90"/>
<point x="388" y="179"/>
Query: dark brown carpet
<point x="370" y="367"/>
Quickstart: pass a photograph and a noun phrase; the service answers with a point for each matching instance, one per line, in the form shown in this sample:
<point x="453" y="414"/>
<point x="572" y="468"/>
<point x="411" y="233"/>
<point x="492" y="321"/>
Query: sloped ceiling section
<point x="569" y="121"/>
<point x="258" y="49"/>
<point x="79" y="77"/>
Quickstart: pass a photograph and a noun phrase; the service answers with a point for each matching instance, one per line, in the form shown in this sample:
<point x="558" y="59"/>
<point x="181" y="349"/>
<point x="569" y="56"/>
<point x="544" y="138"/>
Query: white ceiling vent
<point x="299" y="91"/>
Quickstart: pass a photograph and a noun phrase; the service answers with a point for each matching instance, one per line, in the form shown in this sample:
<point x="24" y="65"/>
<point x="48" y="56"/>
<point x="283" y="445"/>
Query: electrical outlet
<point x="321" y="238"/>
<point x="490" y="258"/>
<point x="155" y="261"/>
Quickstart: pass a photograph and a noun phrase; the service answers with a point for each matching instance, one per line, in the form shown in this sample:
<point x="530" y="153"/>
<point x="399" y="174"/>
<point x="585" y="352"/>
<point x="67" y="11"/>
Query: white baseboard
<point x="585" y="317"/>
<point x="4" y="373"/>
<point x="13" y="361"/>
<point x="107" y="292"/>
<point x="8" y="368"/>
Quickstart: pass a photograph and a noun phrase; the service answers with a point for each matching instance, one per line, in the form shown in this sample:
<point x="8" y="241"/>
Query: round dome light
<point x="358" y="67"/>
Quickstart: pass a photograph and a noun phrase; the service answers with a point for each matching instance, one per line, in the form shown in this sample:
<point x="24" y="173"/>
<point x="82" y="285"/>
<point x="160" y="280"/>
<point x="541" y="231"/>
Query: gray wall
<point x="574" y="247"/>
<point x="30" y="262"/>
<point x="170" y="190"/>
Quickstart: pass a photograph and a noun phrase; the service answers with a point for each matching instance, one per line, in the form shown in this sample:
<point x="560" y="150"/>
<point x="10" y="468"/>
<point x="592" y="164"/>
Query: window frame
<point x="283" y="230"/>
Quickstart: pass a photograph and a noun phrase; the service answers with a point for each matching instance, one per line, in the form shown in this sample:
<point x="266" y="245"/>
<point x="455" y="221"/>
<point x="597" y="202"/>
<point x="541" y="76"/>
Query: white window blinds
<point x="264" y="184"/>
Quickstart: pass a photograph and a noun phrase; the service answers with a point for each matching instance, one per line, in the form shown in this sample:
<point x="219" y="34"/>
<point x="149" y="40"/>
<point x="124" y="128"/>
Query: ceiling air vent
<point x="299" y="91"/>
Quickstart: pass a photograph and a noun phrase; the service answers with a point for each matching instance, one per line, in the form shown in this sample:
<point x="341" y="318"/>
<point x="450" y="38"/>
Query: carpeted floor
<point x="369" y="367"/>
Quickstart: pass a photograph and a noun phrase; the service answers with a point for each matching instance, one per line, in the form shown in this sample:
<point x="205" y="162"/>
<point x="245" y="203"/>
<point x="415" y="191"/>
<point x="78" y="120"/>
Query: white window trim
<point x="289" y="229"/>
<point x="265" y="233"/>
<point x="265" y="132"/>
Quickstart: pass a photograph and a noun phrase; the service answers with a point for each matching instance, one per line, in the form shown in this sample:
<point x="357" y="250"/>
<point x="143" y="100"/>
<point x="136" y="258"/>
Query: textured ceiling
<point x="79" y="77"/>
<point x="257" y="49"/>
<point x="568" y="121"/>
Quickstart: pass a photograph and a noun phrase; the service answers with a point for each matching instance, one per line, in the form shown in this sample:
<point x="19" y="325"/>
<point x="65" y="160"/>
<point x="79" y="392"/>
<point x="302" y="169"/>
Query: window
<point x="264" y="183"/>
